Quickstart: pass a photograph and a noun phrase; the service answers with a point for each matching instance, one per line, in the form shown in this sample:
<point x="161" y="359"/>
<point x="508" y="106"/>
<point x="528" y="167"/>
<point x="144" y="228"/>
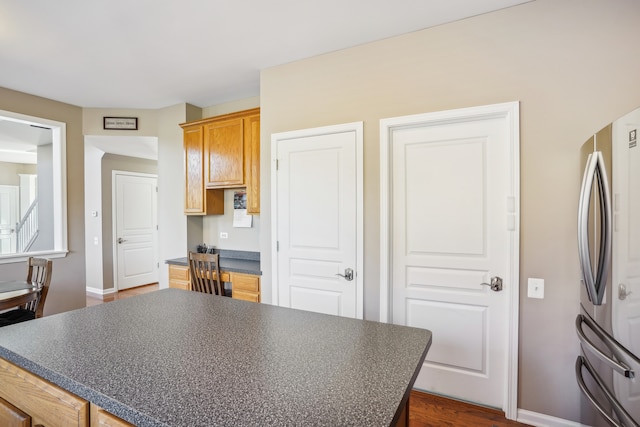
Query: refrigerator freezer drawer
<point x="622" y="417"/>
<point x="618" y="351"/>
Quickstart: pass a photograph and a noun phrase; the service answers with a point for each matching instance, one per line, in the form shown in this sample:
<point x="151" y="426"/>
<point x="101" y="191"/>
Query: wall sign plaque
<point x="120" y="123"/>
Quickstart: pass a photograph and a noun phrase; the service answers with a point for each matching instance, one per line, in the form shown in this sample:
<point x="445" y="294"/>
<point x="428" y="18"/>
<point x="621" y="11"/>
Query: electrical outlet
<point x="224" y="235"/>
<point x="536" y="288"/>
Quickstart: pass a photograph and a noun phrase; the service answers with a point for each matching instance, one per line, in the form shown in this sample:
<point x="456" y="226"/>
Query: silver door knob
<point x="121" y="240"/>
<point x="348" y="274"/>
<point x="623" y="293"/>
<point x="496" y="284"/>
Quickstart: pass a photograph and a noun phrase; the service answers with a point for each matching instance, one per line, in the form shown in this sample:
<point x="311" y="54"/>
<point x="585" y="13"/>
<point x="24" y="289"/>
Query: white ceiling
<point x="153" y="54"/>
<point x="19" y="141"/>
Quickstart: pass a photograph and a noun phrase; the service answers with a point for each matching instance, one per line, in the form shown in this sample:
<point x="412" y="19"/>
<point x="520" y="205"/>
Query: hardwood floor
<point x="428" y="410"/>
<point x="95" y="300"/>
<point x="425" y="410"/>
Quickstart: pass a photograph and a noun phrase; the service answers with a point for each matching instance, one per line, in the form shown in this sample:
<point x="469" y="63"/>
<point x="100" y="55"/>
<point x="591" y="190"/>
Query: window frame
<point x="59" y="168"/>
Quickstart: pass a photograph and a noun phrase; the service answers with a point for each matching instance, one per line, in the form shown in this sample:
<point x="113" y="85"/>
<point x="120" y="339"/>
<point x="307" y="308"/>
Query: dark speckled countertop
<point x="230" y="260"/>
<point x="149" y="360"/>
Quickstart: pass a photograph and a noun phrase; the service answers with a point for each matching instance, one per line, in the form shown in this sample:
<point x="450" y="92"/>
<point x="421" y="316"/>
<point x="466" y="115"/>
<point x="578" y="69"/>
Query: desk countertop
<point x="253" y="365"/>
<point x="231" y="261"/>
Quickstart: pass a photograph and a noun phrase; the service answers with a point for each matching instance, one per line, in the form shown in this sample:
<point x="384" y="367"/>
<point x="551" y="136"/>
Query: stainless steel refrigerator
<point x="608" y="326"/>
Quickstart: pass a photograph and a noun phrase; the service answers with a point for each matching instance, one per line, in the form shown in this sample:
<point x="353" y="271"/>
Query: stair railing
<point x="27" y="229"/>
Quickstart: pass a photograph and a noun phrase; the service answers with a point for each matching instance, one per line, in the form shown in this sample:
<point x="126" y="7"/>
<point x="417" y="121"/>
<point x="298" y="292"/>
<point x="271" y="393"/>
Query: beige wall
<point x="243" y="239"/>
<point x="92" y="121"/>
<point x="9" y="172"/>
<point x="67" y="283"/>
<point x="111" y="163"/>
<point x="572" y="64"/>
<point x="231" y="107"/>
<point x="163" y="124"/>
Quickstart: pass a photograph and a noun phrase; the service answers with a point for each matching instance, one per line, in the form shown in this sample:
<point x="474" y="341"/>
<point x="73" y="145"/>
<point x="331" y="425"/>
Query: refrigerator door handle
<point x="595" y="171"/>
<point x="618" y="351"/>
<point x="624" y="419"/>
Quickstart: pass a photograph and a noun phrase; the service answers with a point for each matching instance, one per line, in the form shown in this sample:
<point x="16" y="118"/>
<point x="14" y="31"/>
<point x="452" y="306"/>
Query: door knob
<point x="348" y="274"/>
<point x="121" y="240"/>
<point x="496" y="284"/>
<point x="622" y="291"/>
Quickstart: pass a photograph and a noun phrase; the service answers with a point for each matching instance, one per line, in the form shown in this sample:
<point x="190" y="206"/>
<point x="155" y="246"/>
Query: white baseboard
<point x="101" y="292"/>
<point x="542" y="420"/>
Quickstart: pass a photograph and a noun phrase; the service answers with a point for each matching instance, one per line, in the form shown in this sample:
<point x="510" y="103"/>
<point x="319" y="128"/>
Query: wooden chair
<point x="204" y="271"/>
<point x="39" y="273"/>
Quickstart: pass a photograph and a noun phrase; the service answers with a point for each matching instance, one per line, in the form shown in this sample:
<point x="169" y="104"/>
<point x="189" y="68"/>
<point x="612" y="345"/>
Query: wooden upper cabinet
<point x="252" y="162"/>
<point x="222" y="152"/>
<point x="198" y="200"/>
<point x="193" y="150"/>
<point x="224" y="145"/>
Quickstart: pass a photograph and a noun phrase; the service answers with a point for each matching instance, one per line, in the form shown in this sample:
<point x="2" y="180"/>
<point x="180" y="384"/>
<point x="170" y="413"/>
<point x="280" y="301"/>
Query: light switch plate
<point x="536" y="288"/>
<point x="224" y="235"/>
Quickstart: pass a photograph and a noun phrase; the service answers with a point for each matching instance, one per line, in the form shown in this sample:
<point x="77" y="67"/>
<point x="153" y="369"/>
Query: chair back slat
<point x="39" y="273"/>
<point x="205" y="273"/>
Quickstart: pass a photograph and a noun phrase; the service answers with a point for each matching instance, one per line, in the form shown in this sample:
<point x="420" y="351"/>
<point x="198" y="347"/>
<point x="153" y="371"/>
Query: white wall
<point x="93" y="224"/>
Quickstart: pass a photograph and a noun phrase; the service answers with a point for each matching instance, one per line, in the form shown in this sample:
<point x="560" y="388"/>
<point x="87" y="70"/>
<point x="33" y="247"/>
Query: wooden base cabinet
<point x="101" y="418"/>
<point x="179" y="277"/>
<point x="27" y="400"/>
<point x="10" y="416"/>
<point x="44" y="402"/>
<point x="245" y="287"/>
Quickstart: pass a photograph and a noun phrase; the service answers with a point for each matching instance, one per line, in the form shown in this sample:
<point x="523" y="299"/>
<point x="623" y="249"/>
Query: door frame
<point x="114" y="220"/>
<point x="14" y="191"/>
<point x="510" y="112"/>
<point x="357" y="128"/>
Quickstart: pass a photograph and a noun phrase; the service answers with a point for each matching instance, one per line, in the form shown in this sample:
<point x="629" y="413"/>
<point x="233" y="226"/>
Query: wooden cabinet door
<point x="245" y="287"/>
<point x="194" y="202"/>
<point x="10" y="416"/>
<point x="252" y="162"/>
<point x="179" y="277"/>
<point x="102" y="418"/>
<point x="44" y="402"/>
<point x="224" y="150"/>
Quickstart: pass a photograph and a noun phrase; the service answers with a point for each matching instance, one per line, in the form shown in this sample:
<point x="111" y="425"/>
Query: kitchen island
<point x="181" y="358"/>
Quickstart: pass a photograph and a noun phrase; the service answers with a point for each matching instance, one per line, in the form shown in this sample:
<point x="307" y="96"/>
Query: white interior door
<point x="317" y="217"/>
<point x="8" y="218"/>
<point x="625" y="305"/>
<point x="452" y="202"/>
<point x="135" y="228"/>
